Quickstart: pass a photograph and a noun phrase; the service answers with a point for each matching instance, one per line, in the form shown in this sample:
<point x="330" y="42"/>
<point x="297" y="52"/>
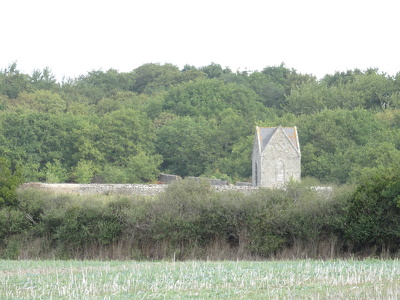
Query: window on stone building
<point x="280" y="172"/>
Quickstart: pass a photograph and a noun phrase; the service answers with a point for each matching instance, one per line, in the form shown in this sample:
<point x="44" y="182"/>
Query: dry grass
<point x="305" y="279"/>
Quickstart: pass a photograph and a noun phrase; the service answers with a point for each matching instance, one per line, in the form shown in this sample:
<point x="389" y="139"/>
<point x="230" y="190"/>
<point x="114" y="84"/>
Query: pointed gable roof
<point x="265" y="134"/>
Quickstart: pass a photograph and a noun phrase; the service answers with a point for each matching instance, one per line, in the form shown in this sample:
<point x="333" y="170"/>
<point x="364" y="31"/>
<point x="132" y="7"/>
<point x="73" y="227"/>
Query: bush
<point x="299" y="217"/>
<point x="12" y="221"/>
<point x="188" y="221"/>
<point x="9" y="183"/>
<point x="374" y="212"/>
<point x="175" y="216"/>
<point x="84" y="224"/>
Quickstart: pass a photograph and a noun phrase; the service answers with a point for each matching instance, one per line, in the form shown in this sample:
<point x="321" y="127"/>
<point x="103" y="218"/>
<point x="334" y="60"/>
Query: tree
<point x="271" y="93"/>
<point x="143" y="167"/>
<point x="237" y="163"/>
<point x="376" y="89"/>
<point x="40" y="100"/>
<point x="279" y="74"/>
<point x="124" y="133"/>
<point x="191" y="74"/>
<point x="18" y="138"/>
<point x="371" y="156"/>
<point x="374" y="213"/>
<point x="9" y="182"/>
<point x="136" y="169"/>
<point x="84" y="171"/>
<point x="96" y="85"/>
<point x="151" y="77"/>
<point x="368" y="89"/>
<point x="13" y="82"/>
<point x="341" y="78"/>
<point x="55" y="172"/>
<point x="214" y="70"/>
<point x="122" y="100"/>
<point x="308" y="98"/>
<point x="330" y="141"/>
<point x="208" y="97"/>
<point x="184" y="146"/>
<point x="32" y="139"/>
<point x="44" y="80"/>
<point x="231" y="127"/>
<point x="285" y="77"/>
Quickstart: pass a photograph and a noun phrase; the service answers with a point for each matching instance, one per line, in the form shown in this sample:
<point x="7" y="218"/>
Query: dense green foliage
<point x="9" y="183"/>
<point x="190" y="220"/>
<point x="374" y="213"/>
<point x="108" y="126"/>
<point x="113" y="127"/>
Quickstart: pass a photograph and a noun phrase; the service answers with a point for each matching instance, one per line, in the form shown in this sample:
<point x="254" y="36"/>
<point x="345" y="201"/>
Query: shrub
<point x="9" y="181"/>
<point x="12" y="221"/>
<point x="188" y="221"/>
<point x="299" y="216"/>
<point x="374" y="212"/>
<point x="175" y="216"/>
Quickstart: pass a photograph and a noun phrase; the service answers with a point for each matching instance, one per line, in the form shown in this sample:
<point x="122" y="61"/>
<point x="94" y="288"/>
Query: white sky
<point x="312" y="36"/>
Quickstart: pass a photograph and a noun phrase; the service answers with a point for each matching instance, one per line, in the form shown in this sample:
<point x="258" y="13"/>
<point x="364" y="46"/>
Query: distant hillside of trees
<point x="115" y="127"/>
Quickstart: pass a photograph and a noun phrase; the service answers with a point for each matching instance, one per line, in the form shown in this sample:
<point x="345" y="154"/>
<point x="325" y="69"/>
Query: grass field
<point x="306" y="279"/>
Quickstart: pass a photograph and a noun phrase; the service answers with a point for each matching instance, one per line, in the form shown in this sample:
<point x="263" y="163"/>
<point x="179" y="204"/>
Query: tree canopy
<point x="111" y="126"/>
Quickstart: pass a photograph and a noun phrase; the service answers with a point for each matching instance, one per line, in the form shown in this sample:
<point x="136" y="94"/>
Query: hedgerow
<point x="190" y="220"/>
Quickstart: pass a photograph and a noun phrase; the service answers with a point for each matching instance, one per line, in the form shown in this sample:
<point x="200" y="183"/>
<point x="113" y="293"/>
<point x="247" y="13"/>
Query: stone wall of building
<point x="277" y="163"/>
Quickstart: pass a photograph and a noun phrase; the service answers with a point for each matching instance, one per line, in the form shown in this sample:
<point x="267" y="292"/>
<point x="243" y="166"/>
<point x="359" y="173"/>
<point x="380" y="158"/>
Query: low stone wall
<point x="240" y="183"/>
<point x="144" y="189"/>
<point x="236" y="188"/>
<point x="93" y="188"/>
<point x="212" y="181"/>
<point x="127" y="189"/>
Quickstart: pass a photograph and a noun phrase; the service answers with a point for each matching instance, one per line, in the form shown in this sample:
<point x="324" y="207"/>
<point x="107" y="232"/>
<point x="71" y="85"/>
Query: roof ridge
<point x="264" y="136"/>
<point x="295" y="146"/>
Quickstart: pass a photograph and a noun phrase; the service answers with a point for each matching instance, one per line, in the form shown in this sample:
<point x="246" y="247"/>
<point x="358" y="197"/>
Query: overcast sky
<point x="312" y="36"/>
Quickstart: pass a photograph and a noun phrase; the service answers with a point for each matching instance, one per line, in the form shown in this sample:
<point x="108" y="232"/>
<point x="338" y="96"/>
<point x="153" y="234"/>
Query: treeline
<point x="115" y="127"/>
<point x="192" y="221"/>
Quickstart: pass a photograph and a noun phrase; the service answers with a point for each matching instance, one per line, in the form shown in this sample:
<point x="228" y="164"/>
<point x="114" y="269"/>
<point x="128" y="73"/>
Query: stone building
<point x="276" y="156"/>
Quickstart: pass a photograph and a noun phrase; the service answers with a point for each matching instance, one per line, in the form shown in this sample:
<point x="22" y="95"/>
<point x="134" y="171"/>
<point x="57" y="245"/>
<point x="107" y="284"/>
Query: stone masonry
<point x="122" y="189"/>
<point x="276" y="157"/>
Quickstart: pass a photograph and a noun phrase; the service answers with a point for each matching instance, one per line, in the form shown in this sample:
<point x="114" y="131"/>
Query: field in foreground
<point x="306" y="279"/>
